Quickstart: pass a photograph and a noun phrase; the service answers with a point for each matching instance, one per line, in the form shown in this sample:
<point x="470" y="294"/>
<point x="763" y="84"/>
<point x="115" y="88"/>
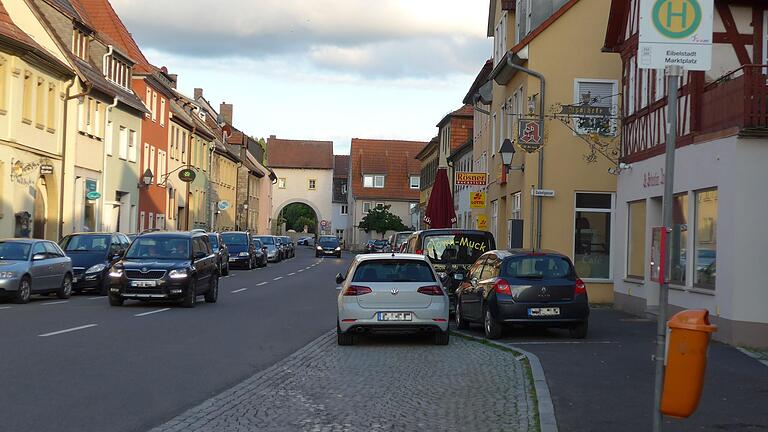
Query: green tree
<point x="381" y="220"/>
<point x="297" y="215"/>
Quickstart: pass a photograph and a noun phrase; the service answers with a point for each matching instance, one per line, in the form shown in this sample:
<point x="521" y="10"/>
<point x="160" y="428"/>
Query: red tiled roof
<point x="395" y="159"/>
<point x="11" y="31"/>
<point x="106" y="21"/>
<point x="284" y="153"/>
<point x="466" y="111"/>
<point x="341" y="166"/>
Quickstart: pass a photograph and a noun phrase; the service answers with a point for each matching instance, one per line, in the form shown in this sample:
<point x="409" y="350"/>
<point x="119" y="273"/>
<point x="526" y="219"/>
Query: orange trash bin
<point x="686" y="360"/>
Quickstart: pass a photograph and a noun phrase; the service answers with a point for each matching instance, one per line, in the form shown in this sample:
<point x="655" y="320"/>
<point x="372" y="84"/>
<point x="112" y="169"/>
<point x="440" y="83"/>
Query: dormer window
<point x="80" y="44"/>
<point x="117" y="71"/>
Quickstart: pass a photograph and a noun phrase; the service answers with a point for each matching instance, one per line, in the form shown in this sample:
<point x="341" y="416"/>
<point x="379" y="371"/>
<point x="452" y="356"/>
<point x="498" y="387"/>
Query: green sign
<point x="187" y="175"/>
<point x="676" y="19"/>
<point x="93" y="195"/>
<point x="90" y="185"/>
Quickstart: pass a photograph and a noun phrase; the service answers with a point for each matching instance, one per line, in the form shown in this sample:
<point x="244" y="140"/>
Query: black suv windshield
<point x="235" y="239"/>
<point x="86" y="243"/>
<point x="459" y="248"/>
<point x="14" y="251"/>
<point x="170" y="248"/>
<point x="538" y="267"/>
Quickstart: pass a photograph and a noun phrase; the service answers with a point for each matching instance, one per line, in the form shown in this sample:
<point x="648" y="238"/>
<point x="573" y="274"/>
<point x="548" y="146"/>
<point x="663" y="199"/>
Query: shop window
<point x="678" y="240"/>
<point x="705" y="238"/>
<point x="636" y="240"/>
<point x="592" y="242"/>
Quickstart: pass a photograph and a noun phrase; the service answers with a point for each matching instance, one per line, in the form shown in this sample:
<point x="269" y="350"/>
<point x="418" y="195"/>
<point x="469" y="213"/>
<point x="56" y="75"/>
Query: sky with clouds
<point x="319" y="69"/>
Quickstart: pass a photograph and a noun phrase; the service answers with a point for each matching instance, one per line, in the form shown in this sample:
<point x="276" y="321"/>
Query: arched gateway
<point x="304" y="171"/>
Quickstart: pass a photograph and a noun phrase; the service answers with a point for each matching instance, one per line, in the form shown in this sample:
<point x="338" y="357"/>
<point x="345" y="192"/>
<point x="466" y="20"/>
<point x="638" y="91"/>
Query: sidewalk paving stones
<point x="394" y="383"/>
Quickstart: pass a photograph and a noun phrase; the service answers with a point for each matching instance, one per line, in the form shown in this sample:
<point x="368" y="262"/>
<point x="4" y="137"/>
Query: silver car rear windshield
<point x="394" y="271"/>
<point x="14" y="251"/>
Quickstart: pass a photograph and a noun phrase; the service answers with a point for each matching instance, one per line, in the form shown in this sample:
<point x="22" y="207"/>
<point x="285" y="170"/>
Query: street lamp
<point x="146" y="178"/>
<point x="507" y="152"/>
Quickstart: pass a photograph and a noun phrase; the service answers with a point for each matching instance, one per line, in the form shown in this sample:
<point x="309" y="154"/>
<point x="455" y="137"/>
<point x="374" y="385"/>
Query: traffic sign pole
<point x="673" y="78"/>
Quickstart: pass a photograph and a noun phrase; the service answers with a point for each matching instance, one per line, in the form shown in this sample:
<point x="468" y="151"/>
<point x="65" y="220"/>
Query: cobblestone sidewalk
<point x="380" y="384"/>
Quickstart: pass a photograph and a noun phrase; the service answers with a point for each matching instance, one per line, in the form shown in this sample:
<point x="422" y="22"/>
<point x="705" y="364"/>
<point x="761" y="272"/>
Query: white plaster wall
<point x="297" y="190"/>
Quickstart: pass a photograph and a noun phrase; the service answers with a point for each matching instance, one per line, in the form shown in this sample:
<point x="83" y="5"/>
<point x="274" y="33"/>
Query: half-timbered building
<point x="718" y="239"/>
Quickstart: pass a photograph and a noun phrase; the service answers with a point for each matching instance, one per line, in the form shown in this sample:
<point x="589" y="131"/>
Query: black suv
<point x="451" y="252"/>
<point x="221" y="251"/>
<point x="241" y="251"/>
<point x="92" y="256"/>
<point x="166" y="266"/>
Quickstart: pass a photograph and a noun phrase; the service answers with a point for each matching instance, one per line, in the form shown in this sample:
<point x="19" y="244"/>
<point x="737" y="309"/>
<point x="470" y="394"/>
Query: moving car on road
<point x="166" y="266"/>
<point x="328" y="245"/>
<point x="451" y="252"/>
<point x="241" y="251"/>
<point x="222" y="252"/>
<point x="92" y="256"/>
<point x="391" y="293"/>
<point x="520" y="287"/>
<point x="260" y="251"/>
<point x="273" y="252"/>
<point x="29" y="266"/>
<point x="305" y="240"/>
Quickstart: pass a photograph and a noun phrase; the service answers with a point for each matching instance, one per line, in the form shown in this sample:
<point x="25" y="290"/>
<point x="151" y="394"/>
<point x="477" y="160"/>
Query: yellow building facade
<point x="579" y="219"/>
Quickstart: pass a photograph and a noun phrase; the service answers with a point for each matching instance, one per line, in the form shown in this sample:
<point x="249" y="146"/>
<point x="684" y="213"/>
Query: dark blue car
<point x="241" y="250"/>
<point x="92" y="255"/>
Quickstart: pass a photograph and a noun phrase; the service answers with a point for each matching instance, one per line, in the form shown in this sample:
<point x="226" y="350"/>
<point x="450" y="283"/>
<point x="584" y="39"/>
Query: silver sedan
<point x="391" y="293"/>
<point x="29" y="266"/>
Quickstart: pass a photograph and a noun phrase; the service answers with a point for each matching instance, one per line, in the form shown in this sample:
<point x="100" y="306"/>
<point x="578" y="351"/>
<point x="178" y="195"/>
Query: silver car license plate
<point x="144" y="284"/>
<point x="395" y="316"/>
<point x="550" y="311"/>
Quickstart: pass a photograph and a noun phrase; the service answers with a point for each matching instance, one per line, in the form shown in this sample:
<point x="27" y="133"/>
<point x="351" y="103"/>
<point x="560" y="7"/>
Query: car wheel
<point x="344" y="339"/>
<point x="191" y="296"/>
<point x="115" y="301"/>
<point x="24" y="291"/>
<point x="491" y="327"/>
<point x="579" y="331"/>
<point x="461" y="323"/>
<point x="65" y="291"/>
<point x="442" y="338"/>
<point x="213" y="291"/>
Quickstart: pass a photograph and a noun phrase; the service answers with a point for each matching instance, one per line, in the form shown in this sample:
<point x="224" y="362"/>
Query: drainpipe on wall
<point x="104" y="160"/>
<point x="67" y="98"/>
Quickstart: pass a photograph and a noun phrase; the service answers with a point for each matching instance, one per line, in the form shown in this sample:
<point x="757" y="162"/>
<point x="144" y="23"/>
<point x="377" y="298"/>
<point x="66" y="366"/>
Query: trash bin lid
<point x="692" y="319"/>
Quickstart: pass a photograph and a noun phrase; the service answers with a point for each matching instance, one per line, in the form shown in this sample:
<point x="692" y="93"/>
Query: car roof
<point x="390" y="256"/>
<point x="93" y="233"/>
<point x="172" y="234"/>
<point x="22" y="240"/>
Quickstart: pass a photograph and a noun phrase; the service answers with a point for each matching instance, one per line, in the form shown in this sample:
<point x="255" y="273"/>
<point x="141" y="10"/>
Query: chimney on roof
<point x="174" y="80"/>
<point x="225" y="110"/>
<point x="198" y="93"/>
<point x="273" y="137"/>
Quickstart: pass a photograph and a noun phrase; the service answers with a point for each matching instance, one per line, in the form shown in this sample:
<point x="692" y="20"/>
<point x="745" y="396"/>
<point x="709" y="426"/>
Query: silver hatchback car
<point x="391" y="293"/>
<point x="29" y="266"/>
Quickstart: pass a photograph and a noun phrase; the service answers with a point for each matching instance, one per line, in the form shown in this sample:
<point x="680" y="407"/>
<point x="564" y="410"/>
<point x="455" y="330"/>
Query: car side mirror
<point x="38" y="257"/>
<point x="339" y="278"/>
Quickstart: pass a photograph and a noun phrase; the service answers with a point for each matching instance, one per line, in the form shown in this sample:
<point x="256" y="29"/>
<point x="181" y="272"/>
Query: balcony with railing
<point x="737" y="100"/>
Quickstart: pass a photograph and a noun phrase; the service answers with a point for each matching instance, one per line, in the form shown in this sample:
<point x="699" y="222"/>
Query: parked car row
<point x="167" y="263"/>
<point x="459" y="271"/>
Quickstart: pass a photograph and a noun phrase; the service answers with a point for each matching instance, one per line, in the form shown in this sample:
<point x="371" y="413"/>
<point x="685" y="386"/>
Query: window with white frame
<point x="493" y="134"/>
<point x="161" y="166"/>
<point x="152" y="159"/>
<point x="495" y="218"/>
<point x="153" y="107"/>
<point x="366" y="207"/>
<point x="373" y="181"/>
<point x="80" y="42"/>
<point x="500" y="39"/>
<point x="162" y="111"/>
<point x="117" y="71"/>
<point x="596" y="93"/>
<point x="415" y="182"/>
<point x="142" y="217"/>
<point x="132" y="146"/>
<point x="145" y="158"/>
<point x="631" y="87"/>
<point x="151" y="221"/>
<point x="517" y="206"/>
<point x="592" y="241"/>
<point x="312" y="184"/>
<point x="344" y="209"/>
<point x="123" y="143"/>
<point x="522" y="19"/>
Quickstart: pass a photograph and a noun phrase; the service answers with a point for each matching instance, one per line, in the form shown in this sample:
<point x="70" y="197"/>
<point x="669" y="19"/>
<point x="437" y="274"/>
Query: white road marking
<point x="291" y="274"/>
<point x="68" y="330"/>
<point x="299" y="270"/>
<point x="5" y="307"/>
<point x="152" y="312"/>
<point x="277" y="278"/>
<point x="560" y="342"/>
<point x="239" y="290"/>
<point x="95" y="298"/>
<point x="261" y="284"/>
<point x="307" y="268"/>
<point x="54" y="303"/>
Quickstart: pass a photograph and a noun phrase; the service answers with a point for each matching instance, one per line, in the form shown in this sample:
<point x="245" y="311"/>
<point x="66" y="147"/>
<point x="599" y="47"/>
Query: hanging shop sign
<point x="477" y="200"/>
<point x="187" y="175"/>
<point x="471" y="178"/>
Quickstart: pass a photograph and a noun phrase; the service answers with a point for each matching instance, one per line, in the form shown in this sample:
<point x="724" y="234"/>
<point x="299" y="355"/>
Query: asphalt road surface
<point x="81" y="365"/>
